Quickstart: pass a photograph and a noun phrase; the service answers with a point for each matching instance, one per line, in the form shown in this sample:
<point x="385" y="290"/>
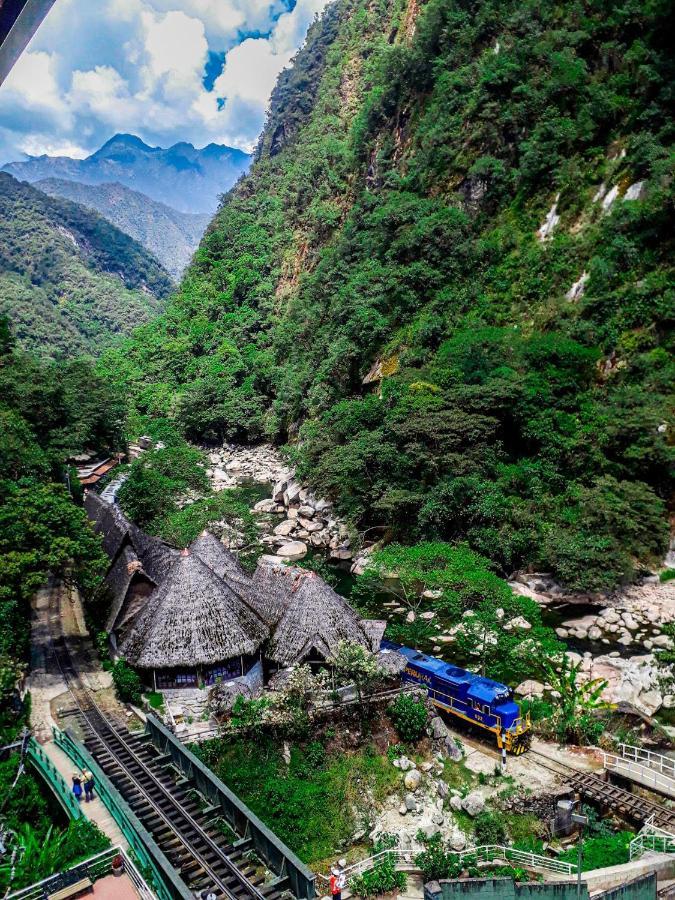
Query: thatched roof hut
<point x="313" y="619"/>
<point x="192" y="619"/>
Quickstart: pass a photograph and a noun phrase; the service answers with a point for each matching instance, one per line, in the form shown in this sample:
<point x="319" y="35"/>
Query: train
<point x="484" y="703"/>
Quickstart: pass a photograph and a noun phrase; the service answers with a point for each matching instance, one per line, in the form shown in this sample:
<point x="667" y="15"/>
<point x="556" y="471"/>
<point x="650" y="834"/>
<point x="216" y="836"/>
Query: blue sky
<point x="166" y="70"/>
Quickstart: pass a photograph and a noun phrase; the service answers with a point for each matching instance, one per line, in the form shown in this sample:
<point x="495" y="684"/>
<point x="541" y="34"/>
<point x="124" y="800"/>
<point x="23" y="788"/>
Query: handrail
<point x="485" y="853"/>
<point x="651" y="837"/>
<point x="653" y="760"/>
<point x="95" y="867"/>
<point x="646" y="773"/>
<point x="54" y="778"/>
<point x="169" y="885"/>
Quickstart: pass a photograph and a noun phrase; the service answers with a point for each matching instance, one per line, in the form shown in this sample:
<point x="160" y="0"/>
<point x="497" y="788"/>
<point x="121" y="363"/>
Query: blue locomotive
<point x="487" y="704"/>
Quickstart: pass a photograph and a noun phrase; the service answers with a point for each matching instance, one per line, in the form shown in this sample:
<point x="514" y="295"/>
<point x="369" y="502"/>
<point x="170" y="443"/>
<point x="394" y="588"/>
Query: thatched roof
<point x="374" y="630"/>
<point x="192" y="618"/>
<point x="155" y="554"/>
<point x="314" y="617"/>
<point x="216" y="556"/>
<point x="126" y="567"/>
<point x="274" y="587"/>
<point x="109" y="521"/>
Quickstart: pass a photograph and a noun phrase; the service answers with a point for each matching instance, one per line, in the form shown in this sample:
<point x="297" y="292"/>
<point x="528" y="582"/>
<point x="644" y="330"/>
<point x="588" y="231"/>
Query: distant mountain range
<point x="69" y="280"/>
<point x="182" y="177"/>
<point x="171" y="235"/>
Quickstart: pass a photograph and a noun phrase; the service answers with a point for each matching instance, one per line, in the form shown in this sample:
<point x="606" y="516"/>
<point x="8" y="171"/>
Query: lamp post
<point x="580" y="821"/>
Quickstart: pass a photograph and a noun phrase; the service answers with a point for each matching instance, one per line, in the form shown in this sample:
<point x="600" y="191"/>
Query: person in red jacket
<point x="336" y="884"/>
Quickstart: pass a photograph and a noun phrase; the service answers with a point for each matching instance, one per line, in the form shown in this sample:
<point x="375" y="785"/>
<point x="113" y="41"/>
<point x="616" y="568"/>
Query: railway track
<point x="179" y="819"/>
<point x="594" y="788"/>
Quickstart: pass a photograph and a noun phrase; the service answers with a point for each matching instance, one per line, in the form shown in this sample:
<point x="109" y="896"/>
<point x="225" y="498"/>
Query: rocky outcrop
<point x="308" y="523"/>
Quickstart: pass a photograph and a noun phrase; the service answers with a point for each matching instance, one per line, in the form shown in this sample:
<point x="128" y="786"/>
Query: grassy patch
<point x="155" y="699"/>
<point x="311" y="804"/>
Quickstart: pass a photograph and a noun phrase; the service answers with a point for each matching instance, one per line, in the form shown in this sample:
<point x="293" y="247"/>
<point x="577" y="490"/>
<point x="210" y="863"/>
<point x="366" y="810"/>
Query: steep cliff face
<point x="448" y="271"/>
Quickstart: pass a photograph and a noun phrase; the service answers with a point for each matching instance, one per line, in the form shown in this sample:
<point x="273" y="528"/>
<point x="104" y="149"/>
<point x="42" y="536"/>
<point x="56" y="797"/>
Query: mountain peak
<point x="127" y="141"/>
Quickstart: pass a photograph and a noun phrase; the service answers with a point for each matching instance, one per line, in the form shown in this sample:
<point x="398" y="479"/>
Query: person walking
<point x="77" y="786"/>
<point x="88" y="786"/>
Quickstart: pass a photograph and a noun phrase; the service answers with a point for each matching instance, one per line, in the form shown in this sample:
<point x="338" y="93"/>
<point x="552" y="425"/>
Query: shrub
<point x="409" y="714"/>
<point x="489" y="829"/>
<point x="127" y="682"/>
<point x="381" y="879"/>
<point x="601" y="851"/>
<point x="438" y="861"/>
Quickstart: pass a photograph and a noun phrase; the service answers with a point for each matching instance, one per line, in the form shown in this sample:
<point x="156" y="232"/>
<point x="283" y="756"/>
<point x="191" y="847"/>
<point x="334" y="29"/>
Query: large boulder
<point x="292" y="550"/>
<point x="473" y="804"/>
<point x="438" y="729"/>
<point x="283" y="529"/>
<point x="412" y="779"/>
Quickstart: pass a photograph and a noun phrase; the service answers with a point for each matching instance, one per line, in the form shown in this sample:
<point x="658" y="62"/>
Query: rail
<point x="276" y="855"/>
<point x="647" y="768"/>
<point x="168" y="885"/>
<point x="485" y="854"/>
<point x="651" y="838"/>
<point x="93" y="868"/>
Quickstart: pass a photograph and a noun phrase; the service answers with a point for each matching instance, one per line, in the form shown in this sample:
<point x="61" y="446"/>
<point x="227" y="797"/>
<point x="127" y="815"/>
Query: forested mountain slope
<point x="381" y="287"/>
<point x="49" y="411"/>
<point x="70" y="280"/>
<point x="169" y="235"/>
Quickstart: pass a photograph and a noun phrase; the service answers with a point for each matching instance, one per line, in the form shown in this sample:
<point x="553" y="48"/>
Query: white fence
<point x="651" y="838"/>
<point x="648" y="768"/>
<point x="489" y="853"/>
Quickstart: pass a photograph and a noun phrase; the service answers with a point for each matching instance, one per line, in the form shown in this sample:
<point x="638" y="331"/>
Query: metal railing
<point x="93" y="868"/>
<point x="651" y="838"/>
<point x="54" y="779"/>
<point x="485" y="854"/>
<point x="649" y="769"/>
<point x="169" y="886"/>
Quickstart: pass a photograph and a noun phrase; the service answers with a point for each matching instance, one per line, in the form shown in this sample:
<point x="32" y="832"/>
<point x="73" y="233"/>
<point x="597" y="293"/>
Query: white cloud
<point x="138" y="66"/>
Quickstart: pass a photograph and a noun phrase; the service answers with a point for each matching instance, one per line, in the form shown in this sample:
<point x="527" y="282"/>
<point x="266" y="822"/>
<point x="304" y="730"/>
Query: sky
<point x="166" y="70"/>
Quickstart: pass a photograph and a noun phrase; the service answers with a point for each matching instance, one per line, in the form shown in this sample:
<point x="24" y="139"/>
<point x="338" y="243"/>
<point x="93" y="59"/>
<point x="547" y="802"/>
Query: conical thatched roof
<point x="313" y="617"/>
<point x="193" y="618"/>
<point x="226" y="565"/>
<point x="155" y="554"/>
<point x="216" y="555"/>
<point x="109" y="521"/>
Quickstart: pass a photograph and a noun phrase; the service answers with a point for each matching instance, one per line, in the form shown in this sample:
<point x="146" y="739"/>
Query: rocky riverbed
<point x="293" y="521"/>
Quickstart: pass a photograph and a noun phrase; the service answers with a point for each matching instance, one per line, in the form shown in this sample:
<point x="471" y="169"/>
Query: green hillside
<point x="69" y="280"/>
<point x="378" y="286"/>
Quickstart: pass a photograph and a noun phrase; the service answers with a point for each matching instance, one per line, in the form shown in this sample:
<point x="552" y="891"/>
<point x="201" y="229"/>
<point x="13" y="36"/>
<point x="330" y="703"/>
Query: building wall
<point x="643" y="888"/>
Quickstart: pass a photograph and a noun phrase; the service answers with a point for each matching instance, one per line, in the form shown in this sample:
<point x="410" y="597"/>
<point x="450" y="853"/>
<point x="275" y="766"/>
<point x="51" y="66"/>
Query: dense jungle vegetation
<point x="49" y="411"/>
<point x="70" y="280"/>
<point x="390" y="225"/>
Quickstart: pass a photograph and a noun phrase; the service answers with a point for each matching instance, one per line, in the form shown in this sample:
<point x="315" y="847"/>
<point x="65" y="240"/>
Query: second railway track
<point x="604" y="793"/>
<point x="168" y="807"/>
